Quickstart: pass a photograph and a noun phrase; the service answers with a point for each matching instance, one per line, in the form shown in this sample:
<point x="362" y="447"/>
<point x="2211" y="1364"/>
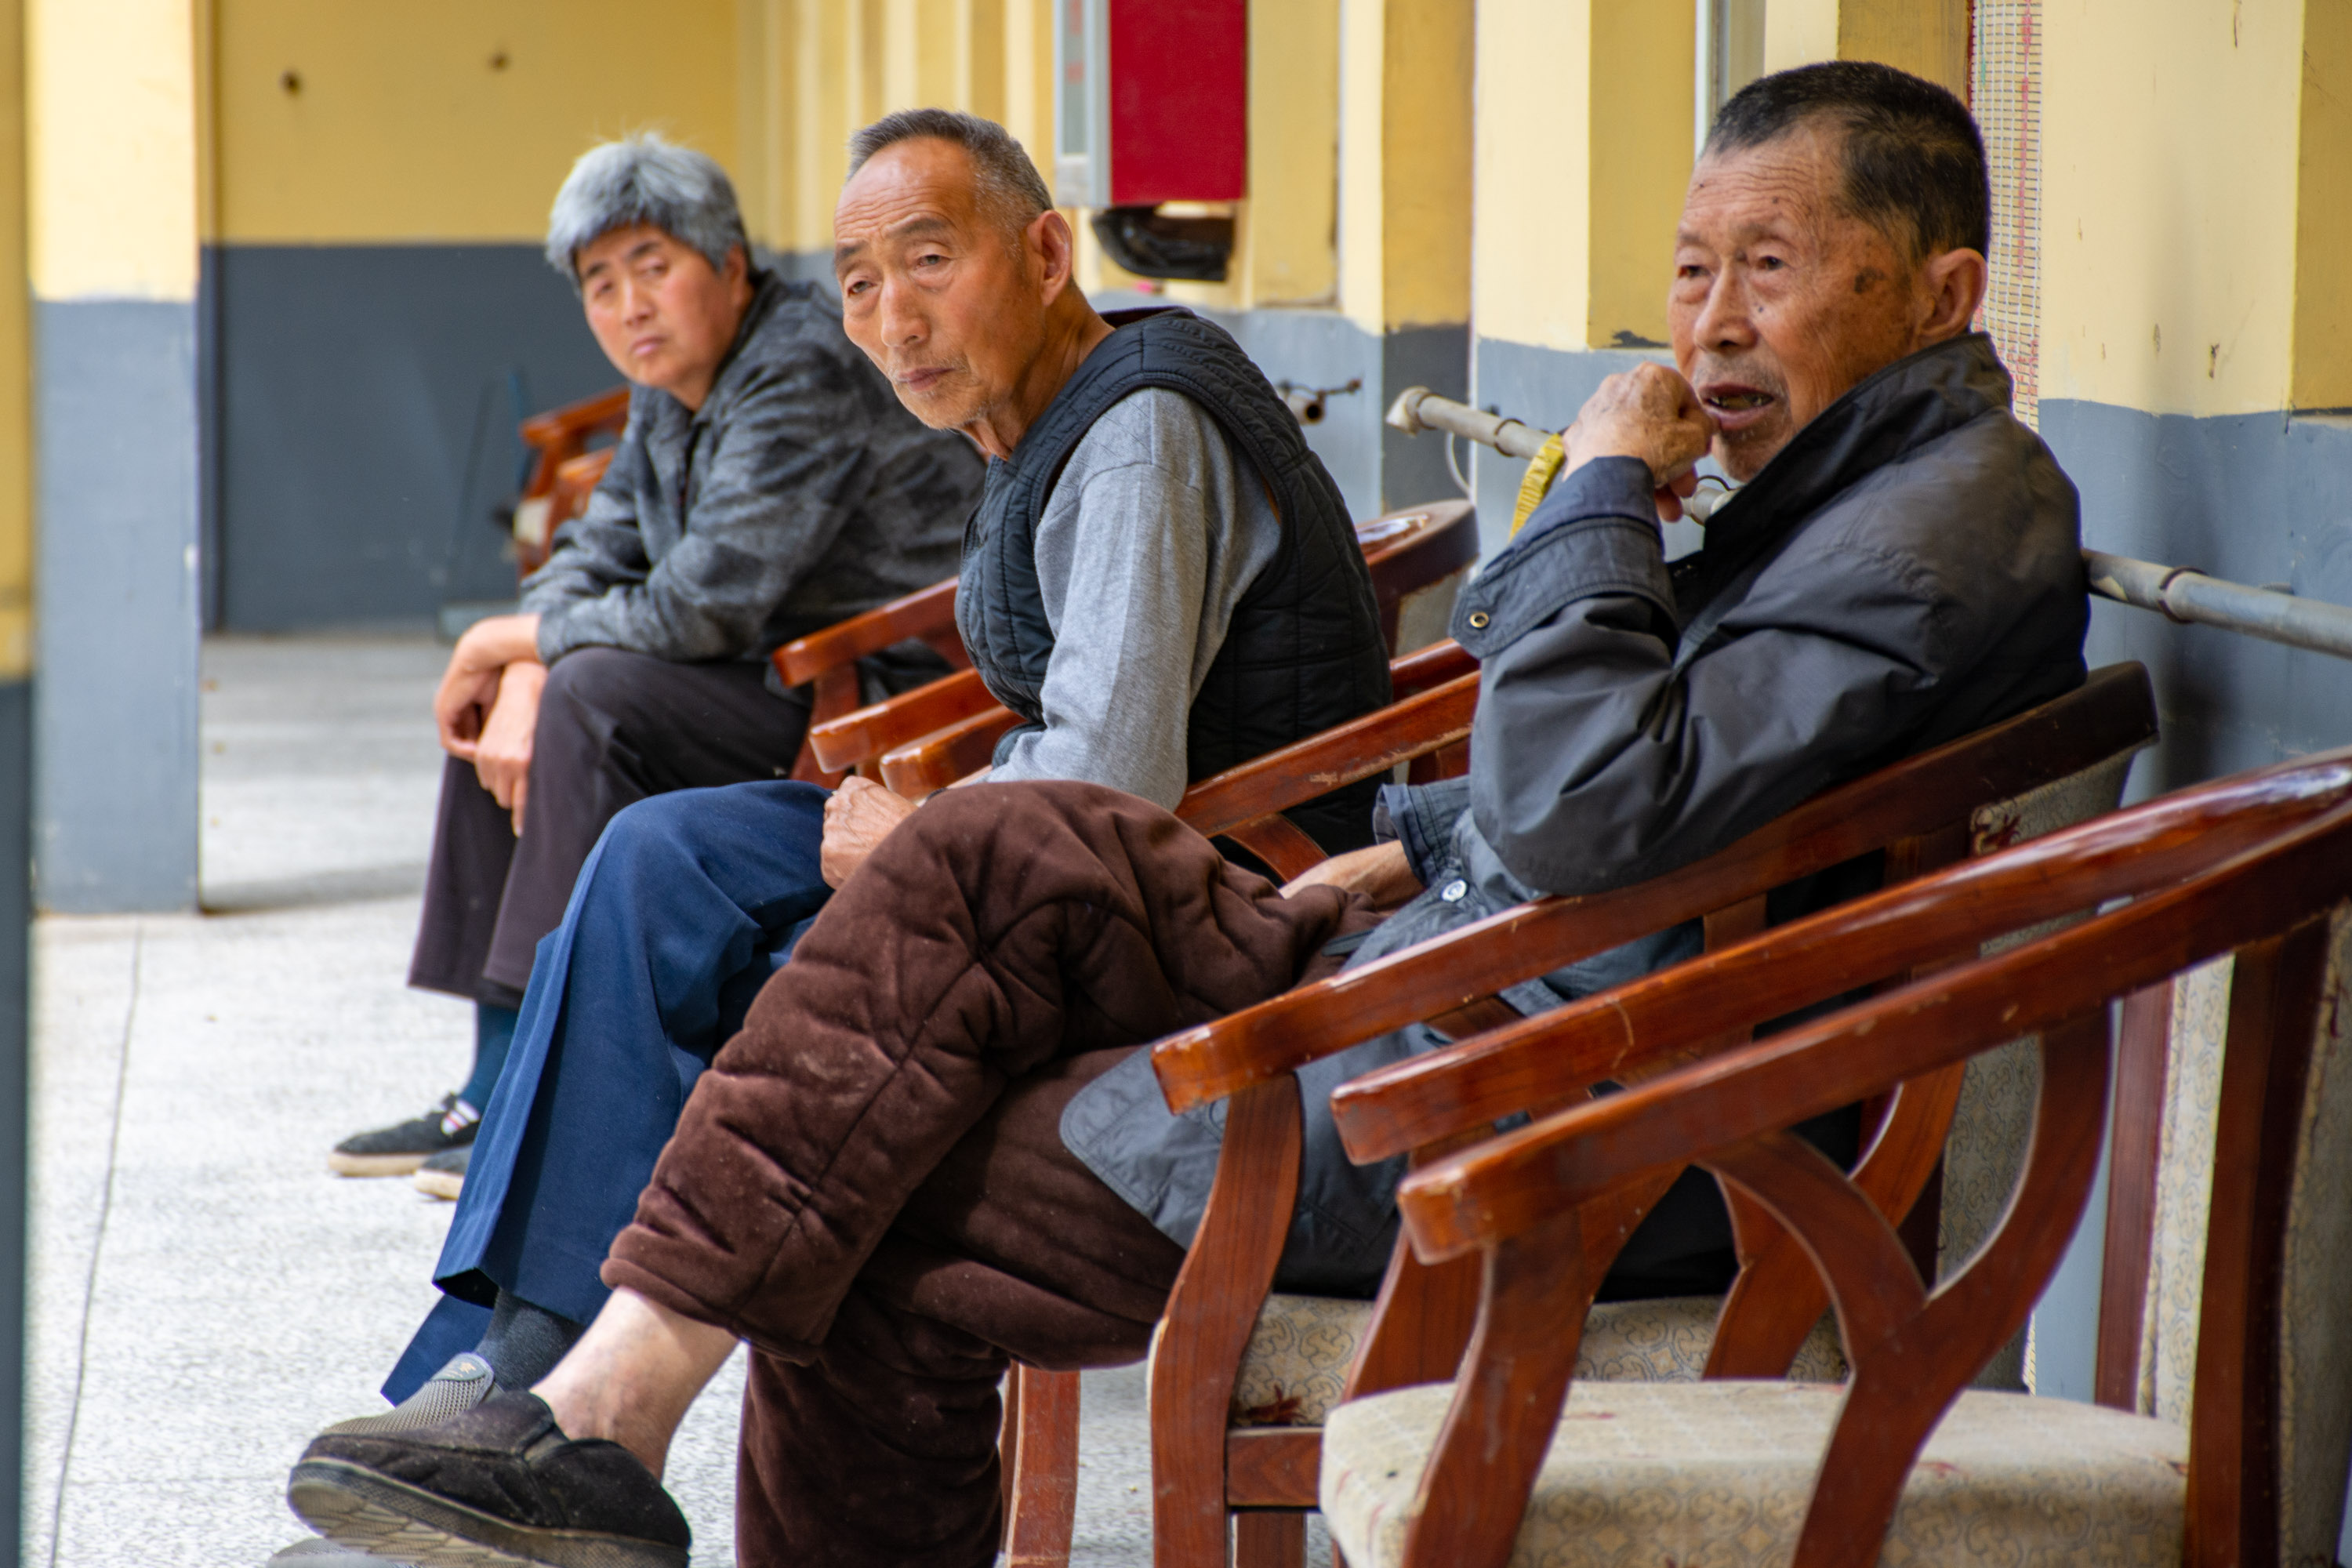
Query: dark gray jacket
<point x="1905" y="571"/>
<point x="799" y="493"/>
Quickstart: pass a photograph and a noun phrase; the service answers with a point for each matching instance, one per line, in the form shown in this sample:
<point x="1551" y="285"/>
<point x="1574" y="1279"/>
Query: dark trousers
<point x="685" y="907"/>
<point x="869" y="1182"/>
<point x="613" y="728"/>
<point x="882" y="1452"/>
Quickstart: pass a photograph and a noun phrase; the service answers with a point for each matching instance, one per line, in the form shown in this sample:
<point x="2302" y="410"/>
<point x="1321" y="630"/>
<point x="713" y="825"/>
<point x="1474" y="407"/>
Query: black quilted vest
<point x="1304" y="650"/>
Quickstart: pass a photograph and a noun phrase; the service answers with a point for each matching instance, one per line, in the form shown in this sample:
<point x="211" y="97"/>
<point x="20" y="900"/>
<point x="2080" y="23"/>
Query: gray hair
<point x="645" y="179"/>
<point x="1010" y="189"/>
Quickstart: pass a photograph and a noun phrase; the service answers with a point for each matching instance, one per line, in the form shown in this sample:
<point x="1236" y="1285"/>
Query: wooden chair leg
<point x="1044" y="1485"/>
<point x="1270" y="1538"/>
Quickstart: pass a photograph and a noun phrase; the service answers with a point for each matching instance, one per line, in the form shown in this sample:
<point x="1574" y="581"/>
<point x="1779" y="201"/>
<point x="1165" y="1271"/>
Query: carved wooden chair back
<point x="1228" y="1348"/>
<point x="2260" y="867"/>
<point x="557" y="437"/>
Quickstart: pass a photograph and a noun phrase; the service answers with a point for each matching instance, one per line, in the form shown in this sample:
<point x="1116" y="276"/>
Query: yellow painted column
<point x="824" y="111"/>
<point x="1800" y="32"/>
<point x="1285" y="252"/>
<point x="2169" y="243"/>
<point x="979" y="73"/>
<point x="1405" y="75"/>
<point x="765" y="33"/>
<point x="1926" y="37"/>
<point x="919" y="54"/>
<point x="1584" y="126"/>
<point x="2323" y="227"/>
<point x="1029" y="80"/>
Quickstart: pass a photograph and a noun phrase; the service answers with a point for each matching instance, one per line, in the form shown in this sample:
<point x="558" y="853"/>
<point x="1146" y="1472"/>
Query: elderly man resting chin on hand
<point x="937" y="1143"/>
<point x="1162" y="581"/>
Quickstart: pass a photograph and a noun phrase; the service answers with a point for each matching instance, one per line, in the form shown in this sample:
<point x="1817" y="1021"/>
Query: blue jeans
<point x="686" y="906"/>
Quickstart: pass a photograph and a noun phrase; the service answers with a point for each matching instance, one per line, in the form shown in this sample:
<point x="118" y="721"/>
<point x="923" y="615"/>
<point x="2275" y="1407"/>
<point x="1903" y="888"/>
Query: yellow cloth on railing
<point x="1543" y="468"/>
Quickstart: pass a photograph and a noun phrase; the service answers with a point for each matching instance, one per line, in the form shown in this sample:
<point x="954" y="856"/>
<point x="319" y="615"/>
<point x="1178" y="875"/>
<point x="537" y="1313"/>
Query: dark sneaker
<point x="498" y="1486"/>
<point x="443" y="1175"/>
<point x="399" y="1151"/>
<point x="448" y="1394"/>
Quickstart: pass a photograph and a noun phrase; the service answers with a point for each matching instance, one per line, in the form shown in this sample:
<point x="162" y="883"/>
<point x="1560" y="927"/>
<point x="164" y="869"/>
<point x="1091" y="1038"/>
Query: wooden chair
<point x="1428" y="724"/>
<point x="560" y="437"/>
<point x="1513" y="1460"/>
<point x="925" y="740"/>
<point x="1241" y="1378"/>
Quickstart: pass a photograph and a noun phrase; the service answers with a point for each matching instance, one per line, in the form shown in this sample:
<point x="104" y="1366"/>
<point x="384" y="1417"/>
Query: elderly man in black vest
<point x="1161" y="580"/>
<point x="937" y="1142"/>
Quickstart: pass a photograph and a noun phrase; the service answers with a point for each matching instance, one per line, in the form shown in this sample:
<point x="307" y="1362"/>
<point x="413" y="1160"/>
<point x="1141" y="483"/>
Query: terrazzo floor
<point x="206" y="1296"/>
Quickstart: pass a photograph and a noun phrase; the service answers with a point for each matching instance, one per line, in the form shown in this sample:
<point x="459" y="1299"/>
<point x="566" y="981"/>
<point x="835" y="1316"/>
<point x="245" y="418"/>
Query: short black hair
<point x="1914" y="165"/>
<point x="1010" y="189"/>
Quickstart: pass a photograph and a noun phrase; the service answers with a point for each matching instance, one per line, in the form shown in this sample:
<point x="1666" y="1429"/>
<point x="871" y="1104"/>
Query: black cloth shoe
<point x="398" y="1150"/>
<point x="443" y="1175"/>
<point x="498" y="1486"/>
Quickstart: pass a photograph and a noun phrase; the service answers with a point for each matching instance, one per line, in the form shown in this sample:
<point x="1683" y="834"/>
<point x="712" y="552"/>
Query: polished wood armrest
<point x="575" y="422"/>
<point x="1428" y="669"/>
<point x="926" y="767"/>
<point x="928" y="614"/>
<point x="1339" y="755"/>
<point x="858" y="738"/>
<point x="2111" y="711"/>
<point x="2263" y="848"/>
<point x="1637" y="1026"/>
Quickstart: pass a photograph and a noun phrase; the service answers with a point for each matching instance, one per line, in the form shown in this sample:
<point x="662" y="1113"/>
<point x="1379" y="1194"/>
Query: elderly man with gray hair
<point x="768" y="484"/>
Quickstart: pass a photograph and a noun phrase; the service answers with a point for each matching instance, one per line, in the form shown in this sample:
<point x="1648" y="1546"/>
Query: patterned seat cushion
<point x="1299" y="1354"/>
<point x="1718" y="1474"/>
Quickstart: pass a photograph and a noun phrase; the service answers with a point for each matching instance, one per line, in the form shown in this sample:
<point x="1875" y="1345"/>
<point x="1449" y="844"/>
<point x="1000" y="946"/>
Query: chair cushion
<point x="1300" y="1353"/>
<point x="1719" y="1473"/>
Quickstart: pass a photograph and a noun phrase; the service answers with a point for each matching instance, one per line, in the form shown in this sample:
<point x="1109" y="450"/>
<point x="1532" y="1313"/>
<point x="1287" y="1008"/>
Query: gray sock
<point x="523" y="1342"/>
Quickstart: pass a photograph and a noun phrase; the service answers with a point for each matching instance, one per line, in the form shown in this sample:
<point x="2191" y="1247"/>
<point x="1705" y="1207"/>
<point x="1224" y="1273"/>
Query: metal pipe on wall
<point x="2178" y="592"/>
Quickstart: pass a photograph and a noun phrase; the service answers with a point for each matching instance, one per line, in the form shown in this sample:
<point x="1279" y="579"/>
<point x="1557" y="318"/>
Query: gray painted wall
<point x="1378" y="469"/>
<point x="362" y="413"/>
<point x="2261" y="498"/>
<point x="115" y="725"/>
<point x="15" y="887"/>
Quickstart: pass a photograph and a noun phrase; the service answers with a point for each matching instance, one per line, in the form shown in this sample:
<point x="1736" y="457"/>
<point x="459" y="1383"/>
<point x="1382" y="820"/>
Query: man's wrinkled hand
<point x="1382" y="873"/>
<point x="502" y="754"/>
<point x="860" y="814"/>
<point x="1651" y="413"/>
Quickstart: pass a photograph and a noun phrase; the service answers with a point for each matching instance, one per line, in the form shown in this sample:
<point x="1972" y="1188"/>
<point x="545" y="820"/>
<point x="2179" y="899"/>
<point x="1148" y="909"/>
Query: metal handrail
<point x="2178" y="592"/>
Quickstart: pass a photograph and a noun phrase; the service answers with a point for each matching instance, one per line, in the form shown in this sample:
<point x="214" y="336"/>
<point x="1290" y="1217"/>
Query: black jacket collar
<point x="1879" y="420"/>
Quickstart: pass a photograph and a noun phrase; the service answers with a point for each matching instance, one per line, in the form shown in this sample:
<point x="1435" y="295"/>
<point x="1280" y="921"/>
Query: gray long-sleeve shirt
<point x="1151" y="536"/>
<point x="802" y="492"/>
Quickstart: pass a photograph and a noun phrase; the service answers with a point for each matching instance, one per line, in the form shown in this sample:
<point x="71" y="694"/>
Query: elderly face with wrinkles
<point x="1782" y="299"/>
<point x="949" y="300"/>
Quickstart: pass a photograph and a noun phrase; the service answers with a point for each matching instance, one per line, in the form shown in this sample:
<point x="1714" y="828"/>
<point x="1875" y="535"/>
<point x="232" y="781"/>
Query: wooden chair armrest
<point x="2111" y="712"/>
<point x="1405" y="563"/>
<point x="2255" y="851"/>
<point x="929" y="615"/>
<point x="1429" y="669"/>
<point x="858" y="737"/>
<point x="576" y="421"/>
<point x="963" y="747"/>
<point x="1343" y="754"/>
